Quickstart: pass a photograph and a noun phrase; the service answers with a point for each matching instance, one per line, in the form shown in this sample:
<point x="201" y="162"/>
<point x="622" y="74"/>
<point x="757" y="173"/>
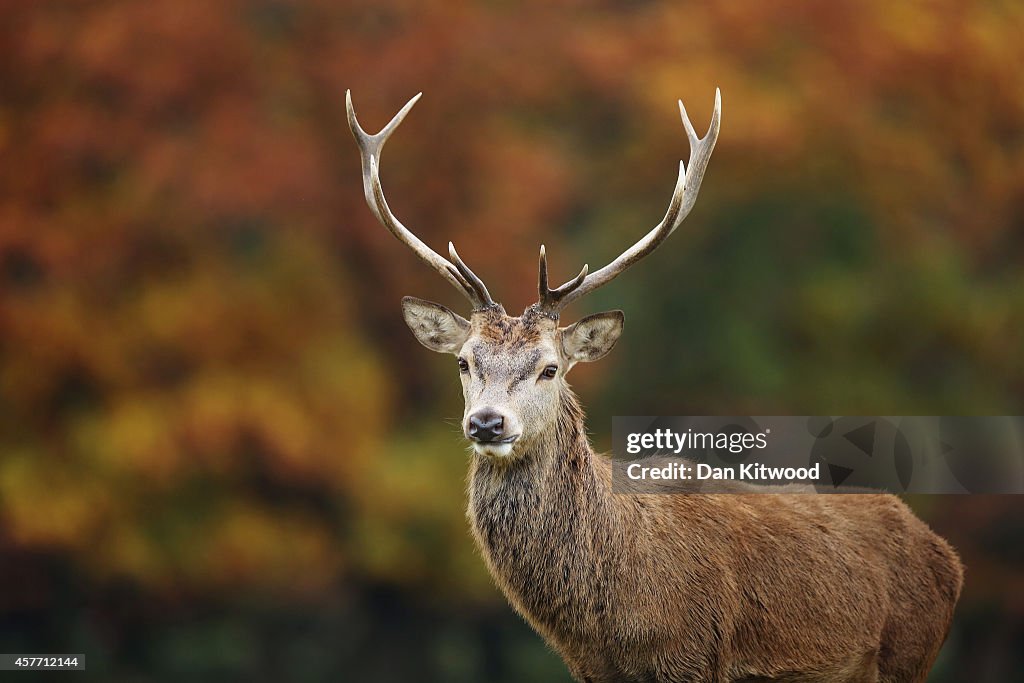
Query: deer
<point x="635" y="587"/>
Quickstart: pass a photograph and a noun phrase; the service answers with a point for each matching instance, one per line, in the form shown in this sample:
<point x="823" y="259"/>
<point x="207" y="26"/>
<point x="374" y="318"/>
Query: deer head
<point x="513" y="368"/>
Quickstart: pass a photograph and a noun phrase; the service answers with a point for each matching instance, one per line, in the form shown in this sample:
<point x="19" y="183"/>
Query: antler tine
<point x="370" y="147"/>
<point x="550" y="298"/>
<point x="475" y="283"/>
<point x="683" y="198"/>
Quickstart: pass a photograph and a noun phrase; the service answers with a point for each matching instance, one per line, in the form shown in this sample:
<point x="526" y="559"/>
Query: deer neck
<point x="539" y="521"/>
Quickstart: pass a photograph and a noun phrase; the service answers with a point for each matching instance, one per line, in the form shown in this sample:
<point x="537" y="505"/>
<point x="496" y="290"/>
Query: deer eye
<point x="549" y="372"/>
<point x="463" y="365"/>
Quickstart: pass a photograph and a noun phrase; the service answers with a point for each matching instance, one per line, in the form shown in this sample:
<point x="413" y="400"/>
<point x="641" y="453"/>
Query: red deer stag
<point x="630" y="587"/>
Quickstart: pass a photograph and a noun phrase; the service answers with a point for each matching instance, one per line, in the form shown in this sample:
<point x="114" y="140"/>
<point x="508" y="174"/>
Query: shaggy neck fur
<point x="541" y="522"/>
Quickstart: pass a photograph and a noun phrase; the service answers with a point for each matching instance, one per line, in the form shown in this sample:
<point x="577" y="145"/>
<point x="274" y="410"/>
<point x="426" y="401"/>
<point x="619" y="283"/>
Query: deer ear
<point x="436" y="327"/>
<point x="593" y="337"/>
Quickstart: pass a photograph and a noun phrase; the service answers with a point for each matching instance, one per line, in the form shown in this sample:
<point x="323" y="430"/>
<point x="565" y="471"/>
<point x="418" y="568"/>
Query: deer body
<point x="708" y="587"/>
<point x="651" y="588"/>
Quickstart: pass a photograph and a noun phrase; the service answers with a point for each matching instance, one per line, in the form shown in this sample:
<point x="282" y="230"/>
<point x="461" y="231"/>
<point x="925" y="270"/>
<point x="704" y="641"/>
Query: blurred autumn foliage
<point x="221" y="454"/>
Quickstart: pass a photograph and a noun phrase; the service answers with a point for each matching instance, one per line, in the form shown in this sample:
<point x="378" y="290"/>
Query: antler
<point x="370" y="146"/>
<point x="683" y="199"/>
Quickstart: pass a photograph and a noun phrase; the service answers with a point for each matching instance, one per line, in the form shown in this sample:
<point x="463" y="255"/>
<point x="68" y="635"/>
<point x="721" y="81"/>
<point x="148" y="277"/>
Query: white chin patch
<point x="493" y="450"/>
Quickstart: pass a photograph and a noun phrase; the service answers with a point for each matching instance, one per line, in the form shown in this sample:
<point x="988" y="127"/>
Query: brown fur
<point x="694" y="587"/>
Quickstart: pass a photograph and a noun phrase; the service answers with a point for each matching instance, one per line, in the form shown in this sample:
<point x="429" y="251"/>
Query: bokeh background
<point x="223" y="457"/>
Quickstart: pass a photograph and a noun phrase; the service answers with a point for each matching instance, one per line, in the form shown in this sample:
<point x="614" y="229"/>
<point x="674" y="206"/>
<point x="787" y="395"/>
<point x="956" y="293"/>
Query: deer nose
<point x="486" y="425"/>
